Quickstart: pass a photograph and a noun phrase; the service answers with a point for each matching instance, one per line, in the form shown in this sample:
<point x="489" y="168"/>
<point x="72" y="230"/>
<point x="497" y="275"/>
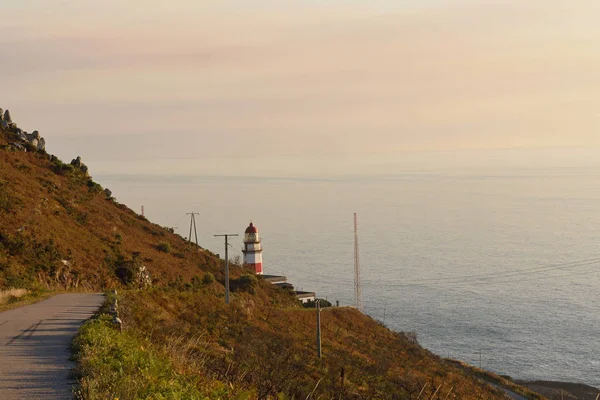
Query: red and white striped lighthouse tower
<point x="252" y="249"/>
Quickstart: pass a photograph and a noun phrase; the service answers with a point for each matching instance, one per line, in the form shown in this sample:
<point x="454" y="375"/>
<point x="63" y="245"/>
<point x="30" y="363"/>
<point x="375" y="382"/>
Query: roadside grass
<point x="11" y="295"/>
<point x="115" y="365"/>
<point x="14" y="298"/>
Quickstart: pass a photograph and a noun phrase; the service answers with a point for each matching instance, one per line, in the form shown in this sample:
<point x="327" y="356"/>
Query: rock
<point x="76" y="162"/>
<point x="107" y="192"/>
<point x="17" y="146"/>
<point x="144" y="279"/>
<point x="118" y="323"/>
<point x="22" y="135"/>
<point x="33" y="138"/>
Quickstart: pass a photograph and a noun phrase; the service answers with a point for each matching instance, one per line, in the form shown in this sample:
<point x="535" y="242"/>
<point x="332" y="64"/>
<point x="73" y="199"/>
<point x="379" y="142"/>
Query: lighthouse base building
<point x="253" y="259"/>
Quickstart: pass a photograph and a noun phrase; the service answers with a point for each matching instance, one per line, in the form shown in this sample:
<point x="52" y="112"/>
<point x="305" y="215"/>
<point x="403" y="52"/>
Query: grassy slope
<point x="263" y="346"/>
<point x="50" y="212"/>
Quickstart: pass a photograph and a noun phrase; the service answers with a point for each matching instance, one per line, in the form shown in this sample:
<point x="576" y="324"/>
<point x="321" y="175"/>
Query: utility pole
<point x="479" y="358"/>
<point x="226" y="236"/>
<point x="193" y="223"/>
<point x="318" y="307"/>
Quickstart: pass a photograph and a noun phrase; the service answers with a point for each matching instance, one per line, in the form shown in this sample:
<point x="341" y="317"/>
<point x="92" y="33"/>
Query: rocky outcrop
<point x="33" y="139"/>
<point x="78" y="164"/>
<point x="7" y="117"/>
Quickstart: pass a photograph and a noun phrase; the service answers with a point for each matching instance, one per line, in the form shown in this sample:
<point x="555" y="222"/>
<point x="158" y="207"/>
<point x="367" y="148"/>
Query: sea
<point x="494" y="262"/>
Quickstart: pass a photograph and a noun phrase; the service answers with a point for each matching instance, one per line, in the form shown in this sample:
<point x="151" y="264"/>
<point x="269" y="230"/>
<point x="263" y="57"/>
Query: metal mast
<point x="357" y="285"/>
<point x="193" y="224"/>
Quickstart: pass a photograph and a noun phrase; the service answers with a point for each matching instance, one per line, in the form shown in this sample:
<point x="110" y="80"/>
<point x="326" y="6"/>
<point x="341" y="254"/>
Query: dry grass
<point x="11" y="294"/>
<point x="264" y="344"/>
<point x="50" y="212"/>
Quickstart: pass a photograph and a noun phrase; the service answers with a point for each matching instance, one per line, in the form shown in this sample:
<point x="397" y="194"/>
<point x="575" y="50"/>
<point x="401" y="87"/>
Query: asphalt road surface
<point x="35" y="346"/>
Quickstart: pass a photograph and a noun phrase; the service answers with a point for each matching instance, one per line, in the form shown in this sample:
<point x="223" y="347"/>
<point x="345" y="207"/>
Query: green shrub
<point x="164" y="247"/>
<point x="93" y="186"/>
<point x="312" y="304"/>
<point x="245" y="283"/>
<point x="208" y="278"/>
<point x="60" y="168"/>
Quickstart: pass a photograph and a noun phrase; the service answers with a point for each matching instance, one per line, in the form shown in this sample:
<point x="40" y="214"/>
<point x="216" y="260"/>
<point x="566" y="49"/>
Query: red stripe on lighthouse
<point x="258" y="268"/>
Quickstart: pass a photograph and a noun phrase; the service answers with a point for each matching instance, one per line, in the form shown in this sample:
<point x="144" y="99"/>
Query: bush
<point x="164" y="247"/>
<point x="208" y="278"/>
<point x="93" y="186"/>
<point x="245" y="283"/>
<point x="59" y="168"/>
<point x="311" y="303"/>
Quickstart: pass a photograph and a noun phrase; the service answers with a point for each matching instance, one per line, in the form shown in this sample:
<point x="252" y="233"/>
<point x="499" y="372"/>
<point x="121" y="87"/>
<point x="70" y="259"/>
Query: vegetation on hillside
<point x="60" y="230"/>
<point x="263" y="346"/>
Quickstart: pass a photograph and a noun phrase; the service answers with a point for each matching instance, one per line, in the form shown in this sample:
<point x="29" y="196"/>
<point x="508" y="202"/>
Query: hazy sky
<point x="188" y="86"/>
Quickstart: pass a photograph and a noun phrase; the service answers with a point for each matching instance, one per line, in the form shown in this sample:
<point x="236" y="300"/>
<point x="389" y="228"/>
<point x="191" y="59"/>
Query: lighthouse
<point x="252" y="249"/>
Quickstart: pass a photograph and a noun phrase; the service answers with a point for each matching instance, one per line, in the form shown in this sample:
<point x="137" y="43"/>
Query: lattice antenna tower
<point x="357" y="283"/>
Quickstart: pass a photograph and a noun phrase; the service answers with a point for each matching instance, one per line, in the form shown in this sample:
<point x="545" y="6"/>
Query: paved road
<point x="34" y="346"/>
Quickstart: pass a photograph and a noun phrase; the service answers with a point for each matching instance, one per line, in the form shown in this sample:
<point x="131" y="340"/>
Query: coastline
<point x="555" y="390"/>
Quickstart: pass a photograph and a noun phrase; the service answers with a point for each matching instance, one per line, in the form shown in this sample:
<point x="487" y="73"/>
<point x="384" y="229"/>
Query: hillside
<point x="61" y="230"/>
<point x="257" y="348"/>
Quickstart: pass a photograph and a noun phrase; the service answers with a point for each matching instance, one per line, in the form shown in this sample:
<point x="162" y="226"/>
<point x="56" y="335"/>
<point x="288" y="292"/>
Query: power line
<point x="491" y="276"/>
<point x="497" y="277"/>
<point x="524" y="271"/>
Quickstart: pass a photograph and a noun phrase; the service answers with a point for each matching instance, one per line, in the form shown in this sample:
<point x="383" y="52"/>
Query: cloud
<point x="306" y="78"/>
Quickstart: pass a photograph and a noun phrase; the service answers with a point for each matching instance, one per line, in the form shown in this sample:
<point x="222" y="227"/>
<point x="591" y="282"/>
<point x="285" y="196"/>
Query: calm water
<point x="504" y="262"/>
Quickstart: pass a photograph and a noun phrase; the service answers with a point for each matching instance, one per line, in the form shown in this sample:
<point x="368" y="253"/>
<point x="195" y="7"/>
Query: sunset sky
<point x="187" y="86"/>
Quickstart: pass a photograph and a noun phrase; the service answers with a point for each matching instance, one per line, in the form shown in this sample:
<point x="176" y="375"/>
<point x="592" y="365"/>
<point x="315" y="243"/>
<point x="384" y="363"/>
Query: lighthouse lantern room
<point x="252" y="249"/>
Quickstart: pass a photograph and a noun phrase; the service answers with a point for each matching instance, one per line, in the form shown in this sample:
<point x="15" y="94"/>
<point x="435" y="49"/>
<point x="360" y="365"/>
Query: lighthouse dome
<point x="251" y="229"/>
